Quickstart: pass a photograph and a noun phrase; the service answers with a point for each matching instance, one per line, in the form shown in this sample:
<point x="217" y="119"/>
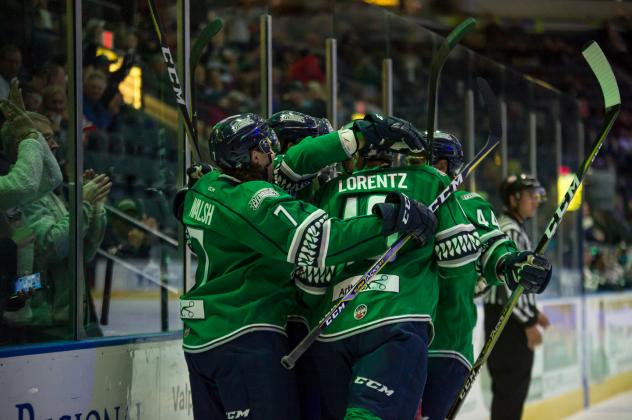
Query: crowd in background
<point x="137" y="152"/>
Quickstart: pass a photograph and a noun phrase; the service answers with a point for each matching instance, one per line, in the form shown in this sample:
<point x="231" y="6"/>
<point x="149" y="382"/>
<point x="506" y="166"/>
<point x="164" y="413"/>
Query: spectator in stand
<point x="54" y="106"/>
<point x="10" y="65"/>
<point x="33" y="172"/>
<point x="93" y="109"/>
<point x="50" y="74"/>
<point x="308" y="67"/>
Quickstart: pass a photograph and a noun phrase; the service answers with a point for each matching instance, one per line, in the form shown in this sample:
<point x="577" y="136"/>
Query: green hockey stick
<point x="202" y="41"/>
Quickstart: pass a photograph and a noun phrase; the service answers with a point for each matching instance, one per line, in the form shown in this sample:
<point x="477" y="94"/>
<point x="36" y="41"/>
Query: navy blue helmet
<point x="294" y="126"/>
<point x="448" y="147"/>
<point x="232" y="139"/>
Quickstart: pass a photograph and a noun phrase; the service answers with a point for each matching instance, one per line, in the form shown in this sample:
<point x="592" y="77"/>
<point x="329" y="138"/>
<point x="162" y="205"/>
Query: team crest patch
<point x="261" y="195"/>
<point x="360" y="311"/>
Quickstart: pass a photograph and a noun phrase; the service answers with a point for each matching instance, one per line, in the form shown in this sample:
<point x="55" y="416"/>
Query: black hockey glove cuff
<point x="526" y="268"/>
<point x="178" y="203"/>
<point x="404" y="215"/>
<point x="196" y="172"/>
<point x="389" y="134"/>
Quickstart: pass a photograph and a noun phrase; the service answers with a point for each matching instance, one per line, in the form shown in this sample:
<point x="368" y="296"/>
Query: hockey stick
<point x="438" y="60"/>
<point x="492" y="141"/>
<point x="202" y="41"/>
<point x="602" y="70"/>
<point x="194" y="57"/>
<point x="175" y="82"/>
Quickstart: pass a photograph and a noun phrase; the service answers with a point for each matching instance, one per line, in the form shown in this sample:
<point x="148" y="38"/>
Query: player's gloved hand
<point x="196" y="172"/>
<point x="402" y="214"/>
<point x="379" y="132"/>
<point x="293" y="126"/>
<point x="525" y="268"/>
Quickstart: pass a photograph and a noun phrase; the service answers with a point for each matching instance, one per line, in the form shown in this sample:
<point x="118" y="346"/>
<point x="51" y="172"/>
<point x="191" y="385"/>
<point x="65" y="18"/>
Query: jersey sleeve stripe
<point x="492" y="234"/>
<point x="489" y="251"/>
<point x="307" y="237"/>
<point x="324" y="247"/>
<point x="289" y="172"/>
<point x="316" y="291"/>
<point x="454" y="230"/>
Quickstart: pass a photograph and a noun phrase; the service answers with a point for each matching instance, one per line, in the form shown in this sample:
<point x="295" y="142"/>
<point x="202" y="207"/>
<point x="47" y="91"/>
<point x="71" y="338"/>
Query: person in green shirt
<point x="500" y="262"/>
<point x="249" y="234"/>
<point x="363" y="357"/>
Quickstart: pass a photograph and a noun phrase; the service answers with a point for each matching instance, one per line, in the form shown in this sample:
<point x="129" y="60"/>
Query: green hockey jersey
<point x="456" y="310"/>
<point x="248" y="237"/>
<point x="407" y="288"/>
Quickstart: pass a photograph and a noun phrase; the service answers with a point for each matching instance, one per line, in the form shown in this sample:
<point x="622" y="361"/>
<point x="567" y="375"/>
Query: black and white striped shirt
<point x="525" y="311"/>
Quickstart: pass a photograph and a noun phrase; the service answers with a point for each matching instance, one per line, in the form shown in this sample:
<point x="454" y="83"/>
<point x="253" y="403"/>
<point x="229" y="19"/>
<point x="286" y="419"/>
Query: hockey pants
<point x="445" y="377"/>
<point x="243" y="379"/>
<point x="382" y="371"/>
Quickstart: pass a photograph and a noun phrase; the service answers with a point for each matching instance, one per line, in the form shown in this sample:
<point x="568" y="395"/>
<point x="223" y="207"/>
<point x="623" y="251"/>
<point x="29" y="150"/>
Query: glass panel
<point x="571" y="274"/>
<point x="133" y="277"/>
<point x="489" y="174"/>
<point x="360" y="56"/>
<point x="411" y="48"/>
<point x="34" y="223"/>
<point x="546" y="107"/>
<point x="227" y="75"/>
<point x="299" y="37"/>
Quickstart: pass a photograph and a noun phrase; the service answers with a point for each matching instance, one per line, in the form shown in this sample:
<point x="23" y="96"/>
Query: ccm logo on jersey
<point x="373" y="385"/>
<point x="364" y="182"/>
<point x="202" y="211"/>
<point x="238" y="414"/>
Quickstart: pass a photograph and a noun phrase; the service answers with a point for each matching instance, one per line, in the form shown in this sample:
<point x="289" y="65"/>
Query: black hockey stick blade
<point x="178" y="89"/>
<point x="290" y="359"/>
<point x="438" y="60"/>
<point x="202" y="41"/>
<point x="610" y="91"/>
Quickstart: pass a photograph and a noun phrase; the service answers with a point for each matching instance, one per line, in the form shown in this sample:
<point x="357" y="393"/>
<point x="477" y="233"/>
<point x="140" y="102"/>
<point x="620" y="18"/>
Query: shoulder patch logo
<point x="261" y="195"/>
<point x="360" y="311"/>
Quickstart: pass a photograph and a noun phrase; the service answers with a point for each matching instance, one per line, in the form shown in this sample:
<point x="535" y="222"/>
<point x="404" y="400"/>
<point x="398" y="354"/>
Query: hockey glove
<point x="382" y="133"/>
<point x="196" y="172"/>
<point x="525" y="268"/>
<point x="405" y="215"/>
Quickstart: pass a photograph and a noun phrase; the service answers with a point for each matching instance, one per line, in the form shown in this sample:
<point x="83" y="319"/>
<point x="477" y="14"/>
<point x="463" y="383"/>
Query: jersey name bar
<point x="371" y="182"/>
<point x="201" y="211"/>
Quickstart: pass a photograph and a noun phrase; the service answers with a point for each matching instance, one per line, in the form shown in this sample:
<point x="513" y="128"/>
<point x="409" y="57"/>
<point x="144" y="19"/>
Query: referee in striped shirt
<point x="511" y="360"/>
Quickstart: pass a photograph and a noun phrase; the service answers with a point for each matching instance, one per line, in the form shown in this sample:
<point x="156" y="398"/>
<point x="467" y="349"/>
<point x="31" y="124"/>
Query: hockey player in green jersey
<point x="451" y="352"/>
<point x="364" y="363"/>
<point x="248" y="235"/>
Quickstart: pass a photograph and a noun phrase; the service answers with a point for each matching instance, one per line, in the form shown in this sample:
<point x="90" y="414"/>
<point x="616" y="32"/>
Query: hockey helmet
<point x="514" y="184"/>
<point x="232" y="139"/>
<point x="294" y="126"/>
<point x="448" y="147"/>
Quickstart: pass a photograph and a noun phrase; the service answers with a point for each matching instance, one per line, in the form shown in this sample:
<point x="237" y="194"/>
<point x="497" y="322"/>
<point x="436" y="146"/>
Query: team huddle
<point x="289" y="220"/>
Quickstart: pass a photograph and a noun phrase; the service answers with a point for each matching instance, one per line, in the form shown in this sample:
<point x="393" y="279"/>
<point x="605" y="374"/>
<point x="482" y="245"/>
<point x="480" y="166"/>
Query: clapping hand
<point x="96" y="190"/>
<point x="15" y="94"/>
